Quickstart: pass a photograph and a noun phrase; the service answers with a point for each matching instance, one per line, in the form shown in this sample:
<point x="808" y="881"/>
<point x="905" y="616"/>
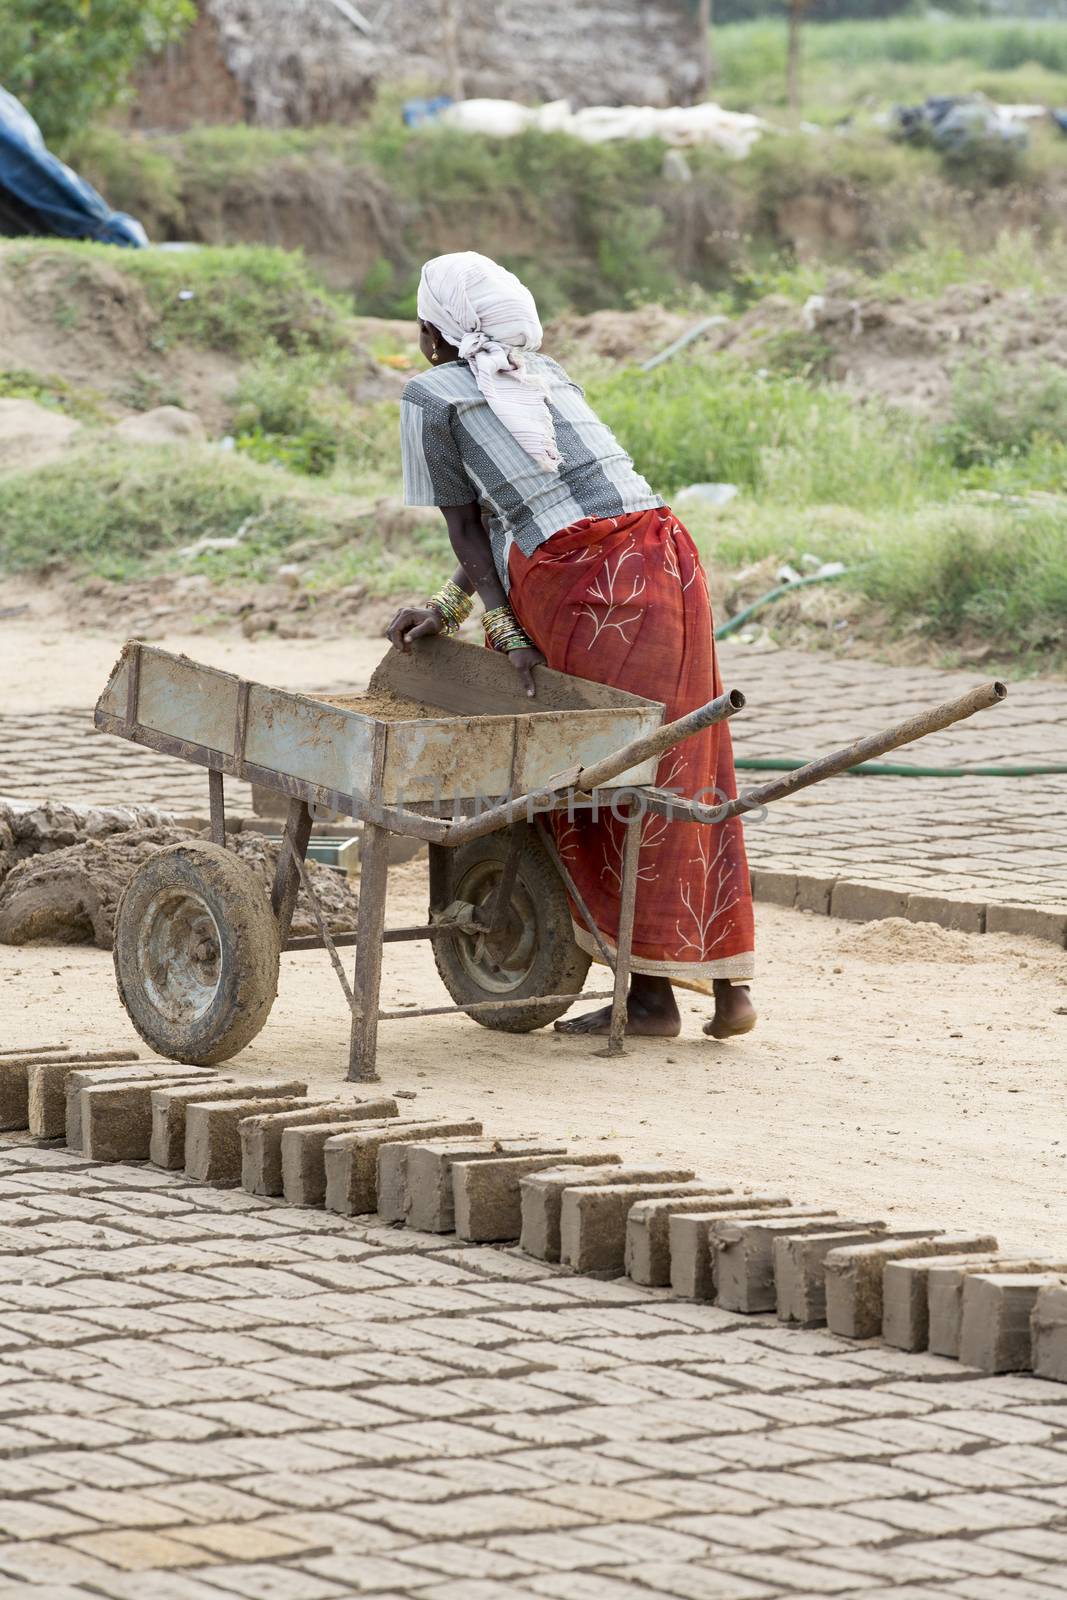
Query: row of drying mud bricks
<point x="745" y="1251"/>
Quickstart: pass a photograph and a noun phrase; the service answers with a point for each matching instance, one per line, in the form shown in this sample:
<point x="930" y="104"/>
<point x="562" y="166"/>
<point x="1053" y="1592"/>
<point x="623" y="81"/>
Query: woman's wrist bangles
<point x="502" y="631"/>
<point x="453" y="605"/>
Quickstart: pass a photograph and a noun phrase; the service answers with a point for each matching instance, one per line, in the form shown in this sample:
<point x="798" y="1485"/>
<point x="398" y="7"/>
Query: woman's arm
<point x="476" y="571"/>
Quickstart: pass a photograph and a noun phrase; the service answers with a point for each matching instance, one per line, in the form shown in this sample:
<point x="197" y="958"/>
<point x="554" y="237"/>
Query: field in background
<point x="949" y="513"/>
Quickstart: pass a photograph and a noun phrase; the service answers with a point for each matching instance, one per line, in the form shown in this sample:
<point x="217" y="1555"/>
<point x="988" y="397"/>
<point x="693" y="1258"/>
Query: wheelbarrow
<point x="474" y="774"/>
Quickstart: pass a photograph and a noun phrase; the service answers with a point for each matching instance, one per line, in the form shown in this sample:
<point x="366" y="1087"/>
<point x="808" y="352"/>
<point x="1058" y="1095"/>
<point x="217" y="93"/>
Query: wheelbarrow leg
<point x="286" y="877"/>
<point x="370" y="926"/>
<point x="631" y="854"/>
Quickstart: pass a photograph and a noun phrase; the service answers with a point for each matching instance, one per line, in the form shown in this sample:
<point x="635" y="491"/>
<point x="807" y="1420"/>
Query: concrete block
<point x="1032" y="922"/>
<point x="212" y="1134"/>
<point x="261" y="1136"/>
<point x="351" y="1160"/>
<point x="486" y="1195"/>
<point x="944" y="1294"/>
<point x="592" y="1222"/>
<point x="108" y="1077"/>
<point x="814" y="893"/>
<point x="14" y="1080"/>
<point x="905" y="1318"/>
<point x="867" y="902"/>
<point x="689" y="1239"/>
<point x="116" y="1119"/>
<point x="1048" y="1333"/>
<point x="304" y="1159"/>
<point x="415" y="1180"/>
<point x="965" y="915"/>
<point x="996" y="1308"/>
<point x="854" y="1282"/>
<point x="648" y="1245"/>
<point x="774" y="888"/>
<point x="541" y="1197"/>
<point x="800" y="1268"/>
<point x="742" y="1257"/>
<point x="167" y="1147"/>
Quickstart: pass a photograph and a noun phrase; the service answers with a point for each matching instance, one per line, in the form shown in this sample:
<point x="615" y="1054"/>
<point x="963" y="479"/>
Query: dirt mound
<point x="90" y="325"/>
<point x="70" y="894"/>
<point x="894" y="940"/>
<point x="31" y="435"/>
<point x="624" y="336"/>
<point x="902" y="351"/>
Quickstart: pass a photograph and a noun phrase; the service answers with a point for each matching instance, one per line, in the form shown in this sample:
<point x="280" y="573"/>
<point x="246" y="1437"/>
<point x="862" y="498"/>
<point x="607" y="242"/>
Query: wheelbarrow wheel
<point x="534" y="953"/>
<point x="196" y="953"/>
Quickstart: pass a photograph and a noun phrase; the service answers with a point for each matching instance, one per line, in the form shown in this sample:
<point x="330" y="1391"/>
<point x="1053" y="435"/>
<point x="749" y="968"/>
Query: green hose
<point x="776" y="594"/>
<point x="892" y="769"/>
<point x="879" y="769"/>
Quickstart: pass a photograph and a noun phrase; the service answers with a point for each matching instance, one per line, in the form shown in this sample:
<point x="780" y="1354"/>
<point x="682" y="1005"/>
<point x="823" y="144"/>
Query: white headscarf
<point x="492" y="320"/>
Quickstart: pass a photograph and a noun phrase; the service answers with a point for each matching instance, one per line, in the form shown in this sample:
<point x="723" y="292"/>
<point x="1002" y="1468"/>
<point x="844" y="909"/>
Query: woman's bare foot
<point x="734" y="1011"/>
<point x="651" y="1012"/>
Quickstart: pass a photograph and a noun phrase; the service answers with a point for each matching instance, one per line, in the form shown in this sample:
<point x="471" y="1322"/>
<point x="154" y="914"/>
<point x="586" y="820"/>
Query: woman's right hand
<point x="413" y="622"/>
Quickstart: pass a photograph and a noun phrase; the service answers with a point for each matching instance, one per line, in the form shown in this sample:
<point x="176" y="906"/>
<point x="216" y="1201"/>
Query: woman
<point x="580" y="565"/>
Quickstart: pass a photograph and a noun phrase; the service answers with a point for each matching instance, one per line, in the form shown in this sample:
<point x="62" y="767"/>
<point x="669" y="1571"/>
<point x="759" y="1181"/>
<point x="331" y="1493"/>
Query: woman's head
<point x="471" y="308"/>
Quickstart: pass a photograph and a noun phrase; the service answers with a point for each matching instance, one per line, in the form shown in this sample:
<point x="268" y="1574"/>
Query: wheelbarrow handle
<point x="600" y="772"/>
<point x="664" y="738"/>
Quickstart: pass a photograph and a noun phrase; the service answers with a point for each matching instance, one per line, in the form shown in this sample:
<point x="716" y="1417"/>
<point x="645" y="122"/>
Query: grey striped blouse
<point x="456" y="450"/>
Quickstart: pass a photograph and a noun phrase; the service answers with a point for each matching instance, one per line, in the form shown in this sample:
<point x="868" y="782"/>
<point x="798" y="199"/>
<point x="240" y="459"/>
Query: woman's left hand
<point x="524" y="662"/>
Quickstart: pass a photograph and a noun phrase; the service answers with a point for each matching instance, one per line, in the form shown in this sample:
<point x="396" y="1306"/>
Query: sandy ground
<point x="898" y="1071"/>
<point x="44" y="667"/>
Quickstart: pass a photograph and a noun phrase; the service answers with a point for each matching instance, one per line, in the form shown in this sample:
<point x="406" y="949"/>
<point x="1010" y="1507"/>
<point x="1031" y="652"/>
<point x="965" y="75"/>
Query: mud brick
<point x="742" y="1257"/>
<point x="592" y="1221"/>
<point x="261" y="1136"/>
<point x="995" y="1318"/>
<point x="648" y="1245"/>
<point x="905" y="1318"/>
<point x="304" y="1159"/>
<point x="212" y="1134"/>
<point x="487" y="1198"/>
<point x="14" y="1079"/>
<point x="541" y="1197"/>
<point x="800" y="1268"/>
<point x="94" y="1077"/>
<point x="853" y="1276"/>
<point x="415" y="1181"/>
<point x="45" y="1094"/>
<point x="944" y="1295"/>
<point x="167" y="1148"/>
<point x="692" y="1262"/>
<point x="351" y="1160"/>
<point x="1048" y="1331"/>
<point x="115" y="1120"/>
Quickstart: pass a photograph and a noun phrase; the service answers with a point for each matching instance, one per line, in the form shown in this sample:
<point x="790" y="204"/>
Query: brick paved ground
<point x="981" y="841"/>
<point x="206" y="1394"/>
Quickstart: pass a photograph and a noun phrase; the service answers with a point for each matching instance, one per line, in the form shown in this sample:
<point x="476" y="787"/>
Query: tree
<point x="794" y="89"/>
<point x="69" y="60"/>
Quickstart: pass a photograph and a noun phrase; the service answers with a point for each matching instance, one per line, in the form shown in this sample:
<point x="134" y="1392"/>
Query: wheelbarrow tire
<point x="546" y="958"/>
<point x="196" y="953"/>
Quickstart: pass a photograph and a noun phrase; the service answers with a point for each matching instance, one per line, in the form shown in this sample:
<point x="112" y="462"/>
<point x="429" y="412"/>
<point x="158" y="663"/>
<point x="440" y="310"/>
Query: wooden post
<point x="705" y="55"/>
<point x="450" y="47"/>
<point x="370" y="926"/>
<point x="631" y="854"/>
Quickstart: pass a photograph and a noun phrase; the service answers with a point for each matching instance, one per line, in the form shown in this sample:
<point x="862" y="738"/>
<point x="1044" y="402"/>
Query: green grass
<point x="852" y="66"/>
<point x="237" y="298"/>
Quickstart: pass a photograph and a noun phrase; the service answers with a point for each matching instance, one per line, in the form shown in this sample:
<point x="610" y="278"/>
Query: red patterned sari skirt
<point x="624" y="601"/>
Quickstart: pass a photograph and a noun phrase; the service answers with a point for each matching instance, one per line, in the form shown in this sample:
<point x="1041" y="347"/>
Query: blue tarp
<point x="39" y="195"/>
